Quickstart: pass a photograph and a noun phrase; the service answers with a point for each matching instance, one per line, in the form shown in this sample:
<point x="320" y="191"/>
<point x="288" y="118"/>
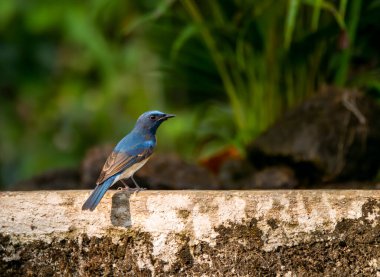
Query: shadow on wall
<point x="120" y="211"/>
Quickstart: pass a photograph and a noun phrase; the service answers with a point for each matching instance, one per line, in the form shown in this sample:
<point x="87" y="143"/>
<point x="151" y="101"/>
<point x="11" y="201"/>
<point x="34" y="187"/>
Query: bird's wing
<point x="119" y="161"/>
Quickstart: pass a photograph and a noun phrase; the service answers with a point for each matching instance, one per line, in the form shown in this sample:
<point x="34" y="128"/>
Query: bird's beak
<point x="166" y="116"/>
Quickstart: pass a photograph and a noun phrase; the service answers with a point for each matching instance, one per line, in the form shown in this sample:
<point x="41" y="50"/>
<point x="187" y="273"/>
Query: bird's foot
<point x="133" y="190"/>
<point x="125" y="188"/>
<point x="136" y="190"/>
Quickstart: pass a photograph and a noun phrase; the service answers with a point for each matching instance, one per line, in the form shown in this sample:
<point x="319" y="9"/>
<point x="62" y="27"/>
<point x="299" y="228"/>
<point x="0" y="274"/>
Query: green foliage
<point x="70" y="79"/>
<point x="74" y="74"/>
<point x="262" y="56"/>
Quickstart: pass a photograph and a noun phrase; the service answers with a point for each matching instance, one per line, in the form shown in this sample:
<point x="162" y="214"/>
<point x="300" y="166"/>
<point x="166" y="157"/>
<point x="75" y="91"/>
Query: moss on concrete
<point x="353" y="248"/>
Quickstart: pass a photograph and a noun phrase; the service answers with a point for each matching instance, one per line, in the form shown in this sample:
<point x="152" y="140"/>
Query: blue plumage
<point x="97" y="194"/>
<point x="129" y="155"/>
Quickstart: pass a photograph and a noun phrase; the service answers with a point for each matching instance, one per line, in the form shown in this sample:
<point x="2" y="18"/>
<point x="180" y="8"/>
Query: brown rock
<point x="332" y="136"/>
<point x="63" y="178"/>
<point x="92" y="164"/>
<point x="162" y="171"/>
<point x="169" y="171"/>
<point x="275" y="177"/>
<point x="240" y="174"/>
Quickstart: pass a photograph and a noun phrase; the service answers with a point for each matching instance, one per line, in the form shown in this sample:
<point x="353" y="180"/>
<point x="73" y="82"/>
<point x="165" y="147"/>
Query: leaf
<point x="293" y="6"/>
<point x="7" y="11"/>
<point x="182" y="38"/>
<point x="162" y="8"/>
<point x="316" y="14"/>
<point x="330" y="8"/>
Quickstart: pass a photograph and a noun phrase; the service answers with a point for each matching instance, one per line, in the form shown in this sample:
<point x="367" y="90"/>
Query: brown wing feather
<point x="115" y="163"/>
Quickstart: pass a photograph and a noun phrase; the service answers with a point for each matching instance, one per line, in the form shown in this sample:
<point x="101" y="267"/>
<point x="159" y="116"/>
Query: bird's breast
<point x="130" y="170"/>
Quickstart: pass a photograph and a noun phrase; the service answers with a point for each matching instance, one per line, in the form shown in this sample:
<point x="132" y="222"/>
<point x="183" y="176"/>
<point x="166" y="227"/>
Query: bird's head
<point x="150" y="121"/>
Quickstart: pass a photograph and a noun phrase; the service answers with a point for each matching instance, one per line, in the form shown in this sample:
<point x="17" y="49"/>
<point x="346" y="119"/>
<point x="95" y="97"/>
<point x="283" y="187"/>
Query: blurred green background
<point x="74" y="74"/>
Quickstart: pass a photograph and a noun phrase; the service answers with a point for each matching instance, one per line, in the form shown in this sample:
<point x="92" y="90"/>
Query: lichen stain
<point x="163" y="213"/>
<point x="230" y="209"/>
<point x="351" y="249"/>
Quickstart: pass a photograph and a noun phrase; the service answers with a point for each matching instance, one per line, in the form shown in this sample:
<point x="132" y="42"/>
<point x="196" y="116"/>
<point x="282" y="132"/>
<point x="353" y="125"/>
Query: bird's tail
<point x="97" y="194"/>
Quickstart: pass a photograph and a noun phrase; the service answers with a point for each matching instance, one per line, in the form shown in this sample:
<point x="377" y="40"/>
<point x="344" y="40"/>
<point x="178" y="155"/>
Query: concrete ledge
<point x="194" y="233"/>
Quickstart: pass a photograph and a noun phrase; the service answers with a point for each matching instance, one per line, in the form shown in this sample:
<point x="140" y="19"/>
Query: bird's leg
<point x="137" y="188"/>
<point x="125" y="185"/>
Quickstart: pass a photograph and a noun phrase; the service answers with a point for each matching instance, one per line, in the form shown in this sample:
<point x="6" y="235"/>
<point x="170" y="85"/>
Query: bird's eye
<point x="153" y="117"/>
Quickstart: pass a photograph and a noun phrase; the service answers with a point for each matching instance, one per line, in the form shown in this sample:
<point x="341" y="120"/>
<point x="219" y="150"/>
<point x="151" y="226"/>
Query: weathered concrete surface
<point x="191" y="233"/>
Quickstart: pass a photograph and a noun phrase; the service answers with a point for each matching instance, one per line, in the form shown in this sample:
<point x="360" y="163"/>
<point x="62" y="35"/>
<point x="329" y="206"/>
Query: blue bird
<point x="129" y="155"/>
